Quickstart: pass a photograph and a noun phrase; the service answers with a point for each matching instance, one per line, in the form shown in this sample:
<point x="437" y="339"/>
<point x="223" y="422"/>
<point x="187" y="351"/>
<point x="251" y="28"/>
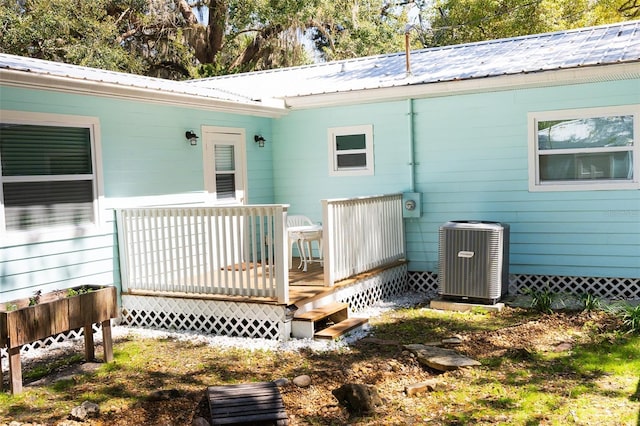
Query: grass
<point x="525" y="377"/>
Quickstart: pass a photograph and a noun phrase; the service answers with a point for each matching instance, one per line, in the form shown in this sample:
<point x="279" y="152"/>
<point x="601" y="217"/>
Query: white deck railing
<point x="361" y="234"/>
<point x="238" y="251"/>
<point x="243" y="250"/>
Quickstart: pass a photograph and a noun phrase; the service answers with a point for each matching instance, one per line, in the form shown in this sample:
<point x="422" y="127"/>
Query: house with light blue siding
<point x="539" y="132"/>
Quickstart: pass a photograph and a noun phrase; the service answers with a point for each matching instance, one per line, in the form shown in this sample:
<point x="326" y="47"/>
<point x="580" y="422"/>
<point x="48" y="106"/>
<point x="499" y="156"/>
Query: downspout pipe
<point x="412" y="145"/>
<point x="410" y="113"/>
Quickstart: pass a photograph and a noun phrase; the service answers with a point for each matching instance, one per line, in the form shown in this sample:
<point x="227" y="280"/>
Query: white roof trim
<point x="33" y="80"/>
<point x="549" y="78"/>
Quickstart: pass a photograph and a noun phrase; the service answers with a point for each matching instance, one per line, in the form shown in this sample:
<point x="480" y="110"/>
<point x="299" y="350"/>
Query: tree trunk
<point x="206" y="41"/>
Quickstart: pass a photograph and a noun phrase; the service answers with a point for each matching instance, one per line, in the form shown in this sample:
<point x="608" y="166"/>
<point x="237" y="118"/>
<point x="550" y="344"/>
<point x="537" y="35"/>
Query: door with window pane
<point x="224" y="165"/>
<point x="224" y="179"/>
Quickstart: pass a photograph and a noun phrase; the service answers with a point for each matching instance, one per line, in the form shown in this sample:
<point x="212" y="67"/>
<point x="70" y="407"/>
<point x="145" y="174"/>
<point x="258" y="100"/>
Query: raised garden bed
<point x="43" y="315"/>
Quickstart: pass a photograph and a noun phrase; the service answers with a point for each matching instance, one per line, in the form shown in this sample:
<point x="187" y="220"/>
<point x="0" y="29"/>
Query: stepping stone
<point x="440" y="359"/>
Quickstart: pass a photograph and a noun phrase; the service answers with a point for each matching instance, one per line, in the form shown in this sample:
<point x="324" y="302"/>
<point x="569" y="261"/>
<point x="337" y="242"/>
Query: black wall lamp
<point x="191" y="137"/>
<point x="259" y="140"/>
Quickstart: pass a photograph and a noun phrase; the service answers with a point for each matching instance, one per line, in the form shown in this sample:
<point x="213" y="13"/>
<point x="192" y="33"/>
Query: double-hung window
<point x="586" y="149"/>
<point x="48" y="176"/>
<point x="351" y="150"/>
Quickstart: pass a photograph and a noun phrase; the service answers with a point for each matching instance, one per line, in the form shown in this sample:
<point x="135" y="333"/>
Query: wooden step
<point x="340" y="329"/>
<point x="304" y="325"/>
<point x="322" y="312"/>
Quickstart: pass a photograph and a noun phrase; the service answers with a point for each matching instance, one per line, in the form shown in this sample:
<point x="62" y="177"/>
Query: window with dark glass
<point x="586" y="149"/>
<point x="593" y="148"/>
<point x="225" y="171"/>
<point x="47" y="176"/>
<point x="351" y="150"/>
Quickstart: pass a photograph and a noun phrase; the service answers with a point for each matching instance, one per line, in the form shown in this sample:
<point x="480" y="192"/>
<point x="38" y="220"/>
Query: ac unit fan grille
<point x="473" y="261"/>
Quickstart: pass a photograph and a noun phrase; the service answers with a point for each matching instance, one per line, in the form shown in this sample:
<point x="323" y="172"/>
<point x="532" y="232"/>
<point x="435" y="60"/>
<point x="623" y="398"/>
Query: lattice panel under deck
<point x="423" y="282"/>
<point x="44" y="343"/>
<point x="372" y="290"/>
<point x="207" y="316"/>
<point x="605" y="288"/>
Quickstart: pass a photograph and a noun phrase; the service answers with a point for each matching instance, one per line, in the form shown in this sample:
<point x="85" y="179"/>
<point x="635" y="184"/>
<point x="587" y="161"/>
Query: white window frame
<point x="59" y="231"/>
<point x="536" y="185"/>
<point x="367" y="131"/>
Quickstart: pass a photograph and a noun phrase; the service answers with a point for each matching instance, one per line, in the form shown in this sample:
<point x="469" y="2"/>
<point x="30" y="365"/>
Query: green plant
<point x="81" y="290"/>
<point x="541" y="300"/>
<point x="630" y="316"/>
<point x="35" y="299"/>
<point x="10" y="307"/>
<point x="589" y="302"/>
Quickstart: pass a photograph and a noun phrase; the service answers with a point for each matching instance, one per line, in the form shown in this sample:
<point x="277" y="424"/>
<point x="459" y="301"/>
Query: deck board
<point x="303" y="287"/>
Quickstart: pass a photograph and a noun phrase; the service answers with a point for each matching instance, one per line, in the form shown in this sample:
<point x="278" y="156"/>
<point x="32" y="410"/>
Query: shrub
<point x="630" y="316"/>
<point x="541" y="300"/>
<point x="589" y="302"/>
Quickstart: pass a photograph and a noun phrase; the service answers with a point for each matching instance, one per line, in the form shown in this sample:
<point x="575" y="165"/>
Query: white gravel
<point x="121" y="332"/>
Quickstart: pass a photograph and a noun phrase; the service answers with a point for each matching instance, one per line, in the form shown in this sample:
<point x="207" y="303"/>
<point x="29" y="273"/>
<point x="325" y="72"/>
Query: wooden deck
<point x="304" y="287"/>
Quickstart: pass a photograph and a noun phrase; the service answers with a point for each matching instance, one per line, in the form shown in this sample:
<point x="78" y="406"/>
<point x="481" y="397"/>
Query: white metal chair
<point x="302" y="232"/>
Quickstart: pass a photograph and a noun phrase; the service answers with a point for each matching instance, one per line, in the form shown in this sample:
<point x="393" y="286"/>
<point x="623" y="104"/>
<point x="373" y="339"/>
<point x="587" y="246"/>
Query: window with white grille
<point x="48" y="171"/>
<point x="584" y="149"/>
<point x="351" y="150"/>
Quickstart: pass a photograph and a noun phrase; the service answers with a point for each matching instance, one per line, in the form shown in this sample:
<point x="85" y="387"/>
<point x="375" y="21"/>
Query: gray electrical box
<point x="473" y="261"/>
<point x="411" y="204"/>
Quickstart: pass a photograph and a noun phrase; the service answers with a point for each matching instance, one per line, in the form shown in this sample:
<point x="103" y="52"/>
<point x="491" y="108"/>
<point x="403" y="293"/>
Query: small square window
<point x="351" y="151"/>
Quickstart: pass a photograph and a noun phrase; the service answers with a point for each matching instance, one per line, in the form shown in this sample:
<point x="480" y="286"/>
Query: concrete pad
<point x="449" y="305"/>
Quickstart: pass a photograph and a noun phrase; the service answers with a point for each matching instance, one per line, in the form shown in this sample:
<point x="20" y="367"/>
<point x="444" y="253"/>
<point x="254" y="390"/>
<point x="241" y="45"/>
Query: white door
<point x="225" y="171"/>
<point x="225" y="180"/>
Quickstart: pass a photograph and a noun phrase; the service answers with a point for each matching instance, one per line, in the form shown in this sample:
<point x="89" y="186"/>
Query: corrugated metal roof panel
<point x="608" y="44"/>
<point x="614" y="43"/>
<point x="59" y="69"/>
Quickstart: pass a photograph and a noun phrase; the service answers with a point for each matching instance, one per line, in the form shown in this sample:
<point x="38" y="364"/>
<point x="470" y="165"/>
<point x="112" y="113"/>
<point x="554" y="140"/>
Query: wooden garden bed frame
<point x="29" y="320"/>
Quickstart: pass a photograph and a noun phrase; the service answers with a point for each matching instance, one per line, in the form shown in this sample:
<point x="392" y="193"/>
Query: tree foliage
<point x="78" y="32"/>
<point x="448" y="22"/>
<point x="181" y="39"/>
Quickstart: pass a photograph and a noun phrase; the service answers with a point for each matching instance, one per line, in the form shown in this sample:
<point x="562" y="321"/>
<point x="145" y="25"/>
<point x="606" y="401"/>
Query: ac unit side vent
<point x="473" y="261"/>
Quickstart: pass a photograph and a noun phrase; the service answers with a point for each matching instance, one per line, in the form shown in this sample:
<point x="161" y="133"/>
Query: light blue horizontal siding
<point x="144" y="152"/>
<point x="583" y="233"/>
<point x="57" y="264"/>
<point x="301" y="160"/>
<point x="472" y="155"/>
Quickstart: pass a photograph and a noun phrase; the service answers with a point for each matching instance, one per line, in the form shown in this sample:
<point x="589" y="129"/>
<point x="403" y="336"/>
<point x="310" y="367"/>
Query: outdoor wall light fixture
<point x="259" y="140"/>
<point x="191" y="137"/>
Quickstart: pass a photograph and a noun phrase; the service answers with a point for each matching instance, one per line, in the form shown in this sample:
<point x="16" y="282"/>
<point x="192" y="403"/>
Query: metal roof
<point x="584" y="47"/>
<point x="120" y="79"/>
<point x="580" y="48"/>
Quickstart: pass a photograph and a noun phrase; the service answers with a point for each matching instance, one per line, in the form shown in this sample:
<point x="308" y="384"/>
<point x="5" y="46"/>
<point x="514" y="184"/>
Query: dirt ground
<point x="379" y="360"/>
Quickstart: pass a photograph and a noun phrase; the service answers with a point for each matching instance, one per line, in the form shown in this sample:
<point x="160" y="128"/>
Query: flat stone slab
<point x="448" y="305"/>
<point x="440" y="358"/>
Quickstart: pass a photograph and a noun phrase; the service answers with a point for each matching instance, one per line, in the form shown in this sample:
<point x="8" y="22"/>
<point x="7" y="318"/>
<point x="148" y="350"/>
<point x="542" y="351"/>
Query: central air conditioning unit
<point x="473" y="261"/>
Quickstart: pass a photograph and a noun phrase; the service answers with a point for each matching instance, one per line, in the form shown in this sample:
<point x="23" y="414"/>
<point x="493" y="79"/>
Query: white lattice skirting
<point x="604" y="288"/>
<point x="248" y="319"/>
<point x="207" y="316"/>
<point x="57" y="338"/>
<point x="362" y="294"/>
<point x="270" y="321"/>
